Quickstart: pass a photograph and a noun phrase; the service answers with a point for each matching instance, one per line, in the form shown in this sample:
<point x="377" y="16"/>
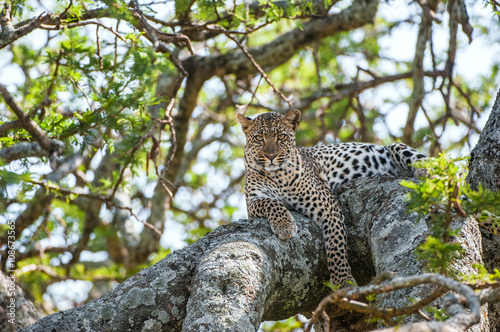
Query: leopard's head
<point x="270" y="138"/>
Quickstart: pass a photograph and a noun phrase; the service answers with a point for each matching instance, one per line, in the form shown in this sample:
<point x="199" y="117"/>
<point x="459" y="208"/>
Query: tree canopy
<point x="118" y="131"/>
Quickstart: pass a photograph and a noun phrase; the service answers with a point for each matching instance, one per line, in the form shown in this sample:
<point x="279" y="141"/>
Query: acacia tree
<point x="123" y="113"/>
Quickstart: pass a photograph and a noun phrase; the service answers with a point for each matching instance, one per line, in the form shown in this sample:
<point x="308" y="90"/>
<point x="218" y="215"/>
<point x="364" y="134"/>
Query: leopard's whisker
<point x="254" y="167"/>
<point x="286" y="162"/>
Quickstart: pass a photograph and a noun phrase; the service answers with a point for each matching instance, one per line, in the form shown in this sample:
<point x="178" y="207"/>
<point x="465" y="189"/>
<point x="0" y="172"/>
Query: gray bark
<point x="484" y="168"/>
<point x="484" y="165"/>
<point x="22" y="150"/>
<point x="15" y="309"/>
<point x="384" y="238"/>
<point x="241" y="274"/>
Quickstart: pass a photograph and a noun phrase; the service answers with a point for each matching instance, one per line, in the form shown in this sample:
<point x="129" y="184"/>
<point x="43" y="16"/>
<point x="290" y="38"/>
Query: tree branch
<point x="241" y="273"/>
<point x="460" y="321"/>
<point x="341" y="91"/>
<point x="22" y="150"/>
<point x="166" y="295"/>
<point x="24" y="310"/>
<point x="42" y="199"/>
<point x="52" y="146"/>
<point x="484" y="169"/>
<point x="5" y="127"/>
<point x="274" y="53"/>
<point x="424" y="34"/>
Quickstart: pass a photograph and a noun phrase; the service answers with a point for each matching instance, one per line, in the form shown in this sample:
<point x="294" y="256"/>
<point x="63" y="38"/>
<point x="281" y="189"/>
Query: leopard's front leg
<point x="335" y="238"/>
<point x="329" y="216"/>
<point x="282" y="223"/>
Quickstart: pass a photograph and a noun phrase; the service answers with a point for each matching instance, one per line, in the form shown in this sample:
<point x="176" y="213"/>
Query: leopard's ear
<point x="246" y="123"/>
<point x="292" y="119"/>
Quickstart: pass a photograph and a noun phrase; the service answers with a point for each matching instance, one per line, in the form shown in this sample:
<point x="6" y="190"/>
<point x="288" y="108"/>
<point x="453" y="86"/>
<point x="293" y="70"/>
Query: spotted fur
<point x="280" y="175"/>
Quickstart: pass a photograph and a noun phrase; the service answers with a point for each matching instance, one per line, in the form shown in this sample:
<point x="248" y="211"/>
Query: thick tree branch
<point x="5" y="127"/>
<point x="274" y="53"/>
<point x="167" y="297"/>
<point x="241" y="274"/>
<point x="484" y="164"/>
<point x="484" y="169"/>
<point x="22" y="150"/>
<point x="21" y="311"/>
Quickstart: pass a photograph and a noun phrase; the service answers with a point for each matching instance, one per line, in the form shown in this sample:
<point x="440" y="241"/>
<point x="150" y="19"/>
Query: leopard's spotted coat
<point x="280" y="175"/>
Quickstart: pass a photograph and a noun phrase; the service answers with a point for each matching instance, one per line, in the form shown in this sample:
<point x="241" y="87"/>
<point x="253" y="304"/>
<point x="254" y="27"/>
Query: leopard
<point x="280" y="177"/>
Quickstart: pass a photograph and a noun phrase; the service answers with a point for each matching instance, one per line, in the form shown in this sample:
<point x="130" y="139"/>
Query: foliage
<point x="435" y="196"/>
<point x="439" y="198"/>
<point x="287" y="325"/>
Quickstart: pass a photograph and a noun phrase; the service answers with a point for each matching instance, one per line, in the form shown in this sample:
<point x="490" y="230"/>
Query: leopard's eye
<point x="258" y="138"/>
<point x="281" y="137"/>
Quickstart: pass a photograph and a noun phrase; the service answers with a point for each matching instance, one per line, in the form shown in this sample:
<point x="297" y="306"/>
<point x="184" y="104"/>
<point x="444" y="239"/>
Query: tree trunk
<point x="484" y="168"/>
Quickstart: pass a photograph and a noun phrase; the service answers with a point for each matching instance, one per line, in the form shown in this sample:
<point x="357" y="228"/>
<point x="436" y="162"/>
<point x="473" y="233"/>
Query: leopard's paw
<point x="285" y="228"/>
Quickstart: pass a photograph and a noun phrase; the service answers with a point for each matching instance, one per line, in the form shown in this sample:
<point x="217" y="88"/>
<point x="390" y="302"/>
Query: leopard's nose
<point x="272" y="156"/>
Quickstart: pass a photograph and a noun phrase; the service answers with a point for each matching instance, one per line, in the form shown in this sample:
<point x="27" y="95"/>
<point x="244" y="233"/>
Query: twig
<point x="105" y="199"/>
<point x="260" y="70"/>
<point x="167" y="119"/>
<point x="245" y="107"/>
<point x="98" y="47"/>
<point x="466" y="96"/>
<point x="81" y="24"/>
<point x="82" y="92"/>
<point x="344" y="298"/>
<point x="54" y="76"/>
<point x="129" y="154"/>
<point x="42" y="268"/>
<point x="115" y="60"/>
<point x="206" y="27"/>
<point x="326" y="320"/>
<point x="63" y="13"/>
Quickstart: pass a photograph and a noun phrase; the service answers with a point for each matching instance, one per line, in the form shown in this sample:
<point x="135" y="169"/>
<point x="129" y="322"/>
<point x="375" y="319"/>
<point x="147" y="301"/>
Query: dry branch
<point x="345" y="299"/>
